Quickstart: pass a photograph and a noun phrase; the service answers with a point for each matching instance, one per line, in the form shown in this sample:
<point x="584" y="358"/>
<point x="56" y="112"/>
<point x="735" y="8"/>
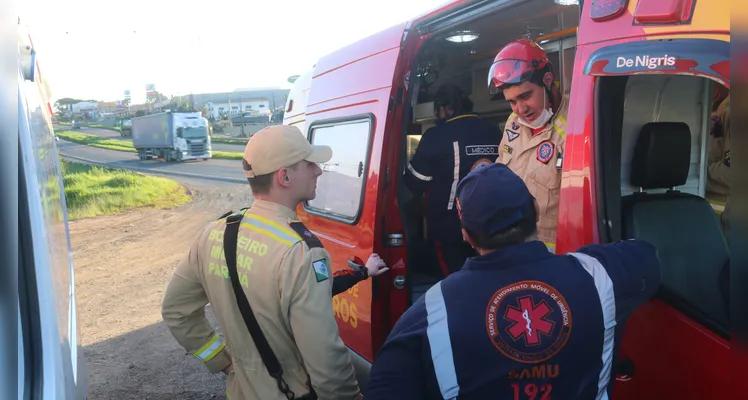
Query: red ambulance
<point x="629" y="66"/>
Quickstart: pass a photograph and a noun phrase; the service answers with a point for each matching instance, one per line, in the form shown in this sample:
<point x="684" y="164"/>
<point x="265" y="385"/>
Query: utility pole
<point x="241" y="102"/>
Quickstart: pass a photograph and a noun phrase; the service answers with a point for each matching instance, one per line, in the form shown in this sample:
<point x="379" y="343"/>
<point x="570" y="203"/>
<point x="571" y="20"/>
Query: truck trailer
<point x="173" y="136"/>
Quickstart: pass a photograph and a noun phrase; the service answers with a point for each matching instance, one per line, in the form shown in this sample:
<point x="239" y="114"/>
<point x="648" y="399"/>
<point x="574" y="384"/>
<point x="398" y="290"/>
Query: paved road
<point x="206" y="174"/>
<point x="115" y="135"/>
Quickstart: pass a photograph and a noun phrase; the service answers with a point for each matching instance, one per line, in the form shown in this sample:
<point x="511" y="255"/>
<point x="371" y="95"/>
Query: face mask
<point x="539" y="122"/>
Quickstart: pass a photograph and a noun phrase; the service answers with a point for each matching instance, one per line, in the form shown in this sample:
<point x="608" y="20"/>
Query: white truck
<point x="173" y="136"/>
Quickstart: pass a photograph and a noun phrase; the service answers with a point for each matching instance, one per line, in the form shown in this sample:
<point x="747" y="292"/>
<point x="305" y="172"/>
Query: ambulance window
<point x="668" y="110"/>
<point x="340" y="188"/>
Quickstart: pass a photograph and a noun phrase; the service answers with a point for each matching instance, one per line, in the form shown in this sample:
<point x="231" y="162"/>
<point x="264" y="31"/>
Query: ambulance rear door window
<point x="340" y="189"/>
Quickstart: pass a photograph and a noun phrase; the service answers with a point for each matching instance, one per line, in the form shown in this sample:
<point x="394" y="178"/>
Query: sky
<point x="95" y="50"/>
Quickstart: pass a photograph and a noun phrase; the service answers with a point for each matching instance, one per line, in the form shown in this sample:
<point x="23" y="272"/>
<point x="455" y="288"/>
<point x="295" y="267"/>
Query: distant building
<point x="85" y="109"/>
<point x="260" y="101"/>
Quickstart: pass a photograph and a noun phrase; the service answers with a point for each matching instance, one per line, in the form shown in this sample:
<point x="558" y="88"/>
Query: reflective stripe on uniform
<point x="717" y="206"/>
<point x="551" y="247"/>
<point x="270" y="229"/>
<point x="605" y="292"/>
<point x="210" y="349"/>
<point x="456" y="173"/>
<point x="463" y="116"/>
<point x="418" y="174"/>
<point x="440" y="343"/>
<point x="559" y="125"/>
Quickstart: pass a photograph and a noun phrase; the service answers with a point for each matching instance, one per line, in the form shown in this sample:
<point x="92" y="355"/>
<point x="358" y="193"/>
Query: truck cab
<point x="637" y="72"/>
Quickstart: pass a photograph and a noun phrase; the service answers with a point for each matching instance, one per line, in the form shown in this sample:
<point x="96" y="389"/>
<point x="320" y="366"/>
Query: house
<point x="260" y="101"/>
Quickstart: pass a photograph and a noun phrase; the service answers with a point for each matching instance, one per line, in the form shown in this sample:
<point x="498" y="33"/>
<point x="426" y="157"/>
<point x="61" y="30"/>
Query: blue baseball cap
<point x="492" y="199"/>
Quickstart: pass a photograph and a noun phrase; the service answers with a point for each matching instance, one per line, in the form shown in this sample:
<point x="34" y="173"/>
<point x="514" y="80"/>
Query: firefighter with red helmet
<point x="535" y="133"/>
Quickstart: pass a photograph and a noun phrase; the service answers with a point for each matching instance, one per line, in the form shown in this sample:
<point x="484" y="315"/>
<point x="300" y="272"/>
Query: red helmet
<point x="516" y="63"/>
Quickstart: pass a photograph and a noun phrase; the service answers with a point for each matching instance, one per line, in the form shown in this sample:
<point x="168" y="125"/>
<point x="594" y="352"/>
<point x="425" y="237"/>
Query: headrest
<point x="662" y="155"/>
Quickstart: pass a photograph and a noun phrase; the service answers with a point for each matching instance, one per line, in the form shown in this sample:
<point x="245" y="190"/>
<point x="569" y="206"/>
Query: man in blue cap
<point x="517" y="321"/>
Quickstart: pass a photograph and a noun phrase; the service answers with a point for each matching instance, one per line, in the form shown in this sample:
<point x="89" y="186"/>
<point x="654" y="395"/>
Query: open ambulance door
<point x="347" y="109"/>
<point x="678" y="344"/>
<point x="456" y="44"/>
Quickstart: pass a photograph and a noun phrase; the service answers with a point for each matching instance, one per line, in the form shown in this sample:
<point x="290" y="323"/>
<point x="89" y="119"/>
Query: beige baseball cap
<point x="280" y="146"/>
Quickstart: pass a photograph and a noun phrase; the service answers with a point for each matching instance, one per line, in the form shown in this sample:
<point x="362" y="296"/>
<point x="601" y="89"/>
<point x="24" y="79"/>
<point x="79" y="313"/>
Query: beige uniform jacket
<point x="289" y="286"/>
<point x="537" y="159"/>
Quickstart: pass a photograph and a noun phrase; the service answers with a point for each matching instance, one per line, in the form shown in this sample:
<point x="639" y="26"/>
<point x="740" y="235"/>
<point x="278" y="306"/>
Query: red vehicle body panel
<point x="374" y="59"/>
<point x="673" y="355"/>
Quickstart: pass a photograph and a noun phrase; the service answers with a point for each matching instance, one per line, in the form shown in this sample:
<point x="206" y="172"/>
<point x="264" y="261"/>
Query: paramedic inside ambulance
<point x="535" y="133"/>
<point x="460" y="142"/>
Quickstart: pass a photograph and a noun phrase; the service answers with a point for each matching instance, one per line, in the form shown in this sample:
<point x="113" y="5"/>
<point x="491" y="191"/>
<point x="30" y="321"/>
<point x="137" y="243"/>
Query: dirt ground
<point x="122" y="266"/>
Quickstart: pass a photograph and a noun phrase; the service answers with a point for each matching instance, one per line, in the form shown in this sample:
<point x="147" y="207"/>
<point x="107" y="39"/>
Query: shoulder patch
<point x="545" y="152"/>
<point x="515" y="125"/>
<point x="311" y="240"/>
<point x="320" y="270"/>
<point x="507" y="149"/>
<point x="511" y="134"/>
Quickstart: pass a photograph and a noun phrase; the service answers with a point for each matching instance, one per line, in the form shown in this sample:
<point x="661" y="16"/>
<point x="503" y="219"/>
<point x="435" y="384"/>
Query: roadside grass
<point x="92" y="191"/>
<point x="96" y="141"/>
<point x="226" y="155"/>
<point x="238" y="142"/>
<point x="101" y="126"/>
<point x="124" y="145"/>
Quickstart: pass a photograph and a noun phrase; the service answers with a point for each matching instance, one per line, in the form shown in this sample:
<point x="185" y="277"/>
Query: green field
<point x="91" y="191"/>
<point x="238" y="142"/>
<point x="96" y="141"/>
<point x="124" y="145"/>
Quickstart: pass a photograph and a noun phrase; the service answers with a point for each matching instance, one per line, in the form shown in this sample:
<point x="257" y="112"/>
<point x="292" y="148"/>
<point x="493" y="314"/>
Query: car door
<point x="347" y="109"/>
<point x="677" y="345"/>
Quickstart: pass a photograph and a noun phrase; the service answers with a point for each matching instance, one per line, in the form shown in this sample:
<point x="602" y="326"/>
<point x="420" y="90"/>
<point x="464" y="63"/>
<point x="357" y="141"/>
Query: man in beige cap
<point x="280" y="282"/>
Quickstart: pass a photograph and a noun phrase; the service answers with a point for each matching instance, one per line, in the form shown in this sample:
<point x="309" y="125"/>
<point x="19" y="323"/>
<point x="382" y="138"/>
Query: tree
<point x="63" y="104"/>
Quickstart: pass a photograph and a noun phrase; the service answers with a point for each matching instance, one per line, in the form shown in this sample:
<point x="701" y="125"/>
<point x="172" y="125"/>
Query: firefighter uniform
<point x="718" y="167"/>
<point x="286" y="276"/>
<point x="445" y="154"/>
<point x="537" y="157"/>
<point x="517" y="322"/>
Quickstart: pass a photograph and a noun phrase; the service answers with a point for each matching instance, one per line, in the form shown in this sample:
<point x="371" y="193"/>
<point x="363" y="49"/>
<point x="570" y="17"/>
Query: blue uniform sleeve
<point x="345" y="279"/>
<point x="420" y="170"/>
<point x="397" y="372"/>
<point x="634" y="269"/>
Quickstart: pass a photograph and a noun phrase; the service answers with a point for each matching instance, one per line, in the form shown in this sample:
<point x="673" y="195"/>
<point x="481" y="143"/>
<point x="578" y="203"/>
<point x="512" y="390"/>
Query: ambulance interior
<point x="657" y="165"/>
<point x="462" y="54"/>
